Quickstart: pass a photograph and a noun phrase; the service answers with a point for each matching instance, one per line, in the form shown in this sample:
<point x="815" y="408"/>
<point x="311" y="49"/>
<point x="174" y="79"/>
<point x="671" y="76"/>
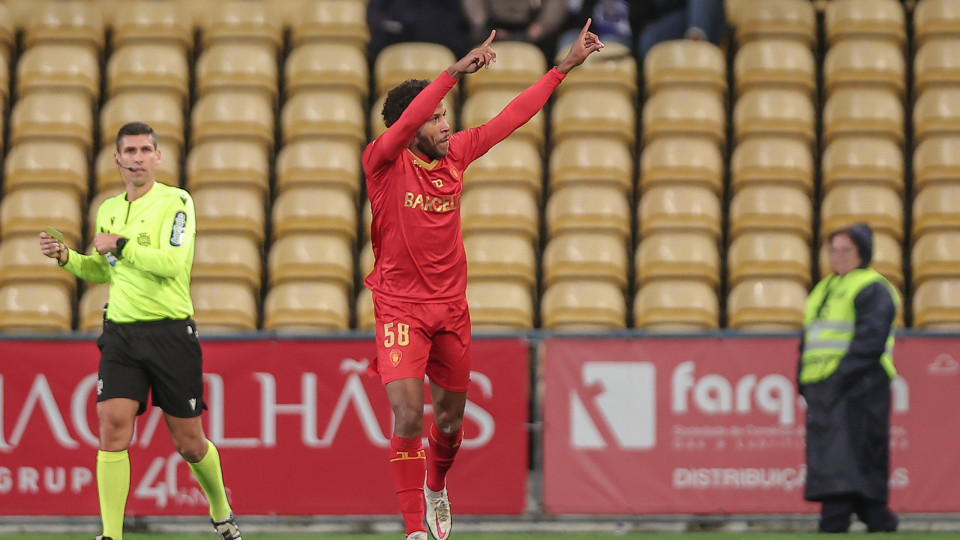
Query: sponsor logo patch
<point x="179" y="229"/>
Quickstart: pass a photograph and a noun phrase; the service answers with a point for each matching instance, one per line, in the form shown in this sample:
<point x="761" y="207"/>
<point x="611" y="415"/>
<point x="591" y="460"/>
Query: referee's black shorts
<point x="162" y="357"/>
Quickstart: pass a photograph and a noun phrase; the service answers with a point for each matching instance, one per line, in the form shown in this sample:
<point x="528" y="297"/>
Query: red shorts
<point x="417" y="339"/>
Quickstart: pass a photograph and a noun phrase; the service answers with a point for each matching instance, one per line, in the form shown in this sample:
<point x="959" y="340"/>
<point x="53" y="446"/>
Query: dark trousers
<point x="836" y="512"/>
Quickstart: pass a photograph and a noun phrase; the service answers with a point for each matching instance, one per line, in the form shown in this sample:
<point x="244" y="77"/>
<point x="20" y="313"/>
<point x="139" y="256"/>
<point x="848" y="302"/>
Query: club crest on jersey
<point x="143" y="239"/>
<point x="179" y="230"/>
<point x="396" y="355"/>
<point x="454" y="173"/>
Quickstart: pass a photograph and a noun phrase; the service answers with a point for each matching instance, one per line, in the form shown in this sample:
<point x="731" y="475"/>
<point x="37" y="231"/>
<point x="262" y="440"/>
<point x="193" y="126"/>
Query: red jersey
<point x="417" y="244"/>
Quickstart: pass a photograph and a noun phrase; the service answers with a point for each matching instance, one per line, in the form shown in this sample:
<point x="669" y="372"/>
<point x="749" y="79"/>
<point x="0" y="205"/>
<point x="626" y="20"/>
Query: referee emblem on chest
<point x="396" y="355"/>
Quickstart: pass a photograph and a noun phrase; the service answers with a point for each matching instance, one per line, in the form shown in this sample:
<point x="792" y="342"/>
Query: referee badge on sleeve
<point x="179" y="229"/>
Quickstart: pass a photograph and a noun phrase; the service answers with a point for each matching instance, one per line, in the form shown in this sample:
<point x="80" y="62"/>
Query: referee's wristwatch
<point x="120" y="243"/>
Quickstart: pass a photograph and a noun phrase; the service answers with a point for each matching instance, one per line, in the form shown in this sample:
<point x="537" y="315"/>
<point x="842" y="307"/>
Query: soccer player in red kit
<point x="414" y="174"/>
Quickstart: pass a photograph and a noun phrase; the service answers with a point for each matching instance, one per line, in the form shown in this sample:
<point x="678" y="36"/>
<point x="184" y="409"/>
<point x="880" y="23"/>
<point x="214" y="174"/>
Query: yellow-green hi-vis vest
<point x="829" y="330"/>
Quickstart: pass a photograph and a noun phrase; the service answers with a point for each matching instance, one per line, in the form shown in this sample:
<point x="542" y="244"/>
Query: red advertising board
<point x="300" y="427"/>
<point x="711" y="425"/>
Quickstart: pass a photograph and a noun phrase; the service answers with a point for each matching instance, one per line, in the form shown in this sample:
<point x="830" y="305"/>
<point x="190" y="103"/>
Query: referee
<point x="144" y="249"/>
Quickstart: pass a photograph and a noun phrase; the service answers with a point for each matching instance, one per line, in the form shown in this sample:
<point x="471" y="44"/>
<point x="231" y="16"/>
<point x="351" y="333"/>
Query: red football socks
<point x="443" y="448"/>
<point x="408" y="463"/>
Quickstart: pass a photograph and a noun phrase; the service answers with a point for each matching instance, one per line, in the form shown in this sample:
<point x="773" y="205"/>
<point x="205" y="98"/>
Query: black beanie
<point x="862" y="236"/>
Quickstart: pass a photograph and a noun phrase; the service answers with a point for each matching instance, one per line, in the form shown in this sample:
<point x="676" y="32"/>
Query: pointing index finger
<point x="490" y="39"/>
<point x="586" y="27"/>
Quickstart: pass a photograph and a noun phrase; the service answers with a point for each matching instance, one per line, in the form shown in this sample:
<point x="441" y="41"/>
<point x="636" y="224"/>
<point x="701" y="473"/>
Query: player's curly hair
<point x="399" y="97"/>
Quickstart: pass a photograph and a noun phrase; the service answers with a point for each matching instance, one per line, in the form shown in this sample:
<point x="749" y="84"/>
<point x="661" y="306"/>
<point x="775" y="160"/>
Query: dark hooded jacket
<point x="848" y="413"/>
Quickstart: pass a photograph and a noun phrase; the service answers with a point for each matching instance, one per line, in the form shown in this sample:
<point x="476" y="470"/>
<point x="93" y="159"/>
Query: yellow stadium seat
<point x="344" y="21"/>
<point x="28" y="211"/>
<point x="366" y="321"/>
<point x="510" y="163"/>
<point x="775" y="63"/>
<point x="50" y="116"/>
<point x="679" y="208"/>
<point x="59" y="67"/>
<point x="845" y="205"/>
<point x="57" y="165"/>
<point x="615" y="69"/>
<point x="481" y="107"/>
<point x="366" y="214"/>
<point x="229" y="210"/>
<point x="307" y="307"/>
<point x="499" y="306"/>
<point x="327" y="66"/>
<point x="235" y="115"/>
<point x="763" y="255"/>
<point x="35" y="308"/>
<point x="377" y="126"/>
<point x="685" y="161"/>
<point x="680" y="255"/>
<point x="315" y="163"/>
<point x="223" y="308"/>
<point x="108" y="176"/>
<point x="676" y="305"/>
<point x="862" y="112"/>
<point x="685" y="63"/>
<point x="861" y="63"/>
<point x="500" y="210"/>
<point x="936" y="64"/>
<point x="685" y="113"/>
<point x="936" y="305"/>
<point x="774" y="113"/>
<point x="868" y="160"/>
<point x="772" y="161"/>
<point x="240" y="21"/>
<point x="586" y="208"/>
<point x="500" y="257"/>
<point x="887" y="258"/>
<point x="519" y="65"/>
<point x="766" y="305"/>
<point x="21" y="261"/>
<point x="225" y="163"/>
<point x="594" y="113"/>
<point x="935" y="255"/>
<point x="937" y="112"/>
<point x="777" y="19"/>
<point x="583" y="306"/>
<point x="872" y="19"/>
<point x="936" y="207"/>
<point x="411" y="60"/>
<point x="585" y="256"/>
<point x="8" y="32"/>
<point x="150" y="22"/>
<point x="771" y="209"/>
<point x="936" y="160"/>
<point x="238" y="67"/>
<point x="935" y="19"/>
<point x="77" y="23"/>
<point x="589" y="161"/>
<point x="91" y="307"/>
<point x="367" y="260"/>
<point x="231" y="258"/>
<point x="162" y="111"/>
<point x="315" y="210"/>
<point x="4" y="74"/>
<point x="335" y="115"/>
<point x="149" y="67"/>
<point x="311" y="257"/>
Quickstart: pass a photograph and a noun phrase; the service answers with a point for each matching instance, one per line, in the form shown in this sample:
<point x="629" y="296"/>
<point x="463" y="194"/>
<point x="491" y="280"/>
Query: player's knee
<point x="191" y="452"/>
<point x="448" y="423"/>
<point x="409" y="420"/>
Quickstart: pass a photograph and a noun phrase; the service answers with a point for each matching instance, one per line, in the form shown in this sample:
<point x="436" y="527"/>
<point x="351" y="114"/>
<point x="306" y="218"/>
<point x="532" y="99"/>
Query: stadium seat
<point x="615" y="69"/>
<point x="366" y="321"/>
<point x="863" y="160"/>
<point x="589" y="161"/>
<point x="162" y="111"/>
<point x="679" y="208"/>
<point x="366" y="214"/>
<point x="150" y="22"/>
<point x="230" y="211"/>
<point x="49" y="116"/>
<point x="937" y="112"/>
<point x="862" y="112"/>
<point x="328" y="115"/>
<point x="510" y="163"/>
<point x="8" y="33"/>
<point x="367" y="259"/>
<point x="499" y="257"/>
<point x="766" y="305"/>
<point x="71" y="23"/>
<point x="21" y="261"/>
<point x="327" y="66"/>
<point x="498" y="209"/>
<point x="28" y="211"/>
<point x="315" y="163"/>
<point x="936" y="208"/>
<point x="223" y="308"/>
<point x="864" y="63"/>
<point x="306" y="307"/>
<point x="4" y="74"/>
<point x="149" y="67"/>
<point x="771" y="209"/>
<point x="686" y="113"/>
<point x="865" y="19"/>
<point x="682" y="255"/>
<point x="235" y="115"/>
<point x="669" y="161"/>
<point x="233" y="258"/>
<point x="333" y="22"/>
<point x="775" y="64"/>
<point x="238" y="67"/>
<point x="887" y="258"/>
<point x="240" y="21"/>
<point x="59" y="67"/>
<point x="777" y="19"/>
<point x="108" y="177"/>
<point x="936" y="160"/>
<point x="315" y="210"/>
<point x="585" y="256"/>
<point x="311" y="257"/>
<point x="57" y="165"/>
<point x="935" y="255"/>
<point x="936" y="305"/>
<point x="499" y="306"/>
<point x="519" y="65"/>
<point x="676" y="305"/>
<point x="577" y="306"/>
<point x="845" y="205"/>
<point x="35" y="308"/>
<point x="594" y="113"/>
<point x="774" y="113"/>
<point x="586" y="208"/>
<point x="481" y="107"/>
<point x="377" y="126"/>
<point x="411" y="60"/>
<point x="91" y="307"/>
<point x="687" y="64"/>
<point x="936" y="65"/>
<point x="762" y="255"/>
<point x="935" y="19"/>
<point x="226" y="163"/>
<point x="773" y="161"/>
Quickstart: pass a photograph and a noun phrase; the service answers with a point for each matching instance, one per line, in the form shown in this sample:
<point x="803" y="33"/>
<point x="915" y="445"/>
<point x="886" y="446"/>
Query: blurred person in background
<point x="654" y="21"/>
<point x="611" y="22"/>
<point x="533" y="21"/>
<point x="401" y="21"/>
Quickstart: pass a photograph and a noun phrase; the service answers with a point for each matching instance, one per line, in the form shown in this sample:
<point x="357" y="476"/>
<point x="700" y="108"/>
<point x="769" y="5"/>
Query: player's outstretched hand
<point x="586" y="44"/>
<point x="475" y="59"/>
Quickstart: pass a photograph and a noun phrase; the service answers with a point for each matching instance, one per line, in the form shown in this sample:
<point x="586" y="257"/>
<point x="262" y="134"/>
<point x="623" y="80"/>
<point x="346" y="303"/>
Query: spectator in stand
<point x="533" y="21"/>
<point x="654" y="21"/>
<point x="399" y="21"/>
<point x="611" y="22"/>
